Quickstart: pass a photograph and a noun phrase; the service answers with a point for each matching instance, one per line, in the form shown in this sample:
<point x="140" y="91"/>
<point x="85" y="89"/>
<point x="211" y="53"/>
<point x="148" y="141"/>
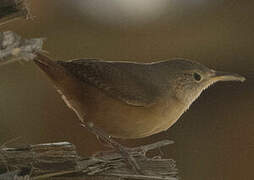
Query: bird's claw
<point x="125" y="152"/>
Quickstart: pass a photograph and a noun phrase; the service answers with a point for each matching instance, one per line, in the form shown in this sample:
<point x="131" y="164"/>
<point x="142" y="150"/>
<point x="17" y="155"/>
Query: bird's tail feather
<point x="49" y="66"/>
<point x="43" y="60"/>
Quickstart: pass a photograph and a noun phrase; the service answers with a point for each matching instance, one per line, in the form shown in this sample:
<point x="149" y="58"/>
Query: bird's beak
<point x="227" y="76"/>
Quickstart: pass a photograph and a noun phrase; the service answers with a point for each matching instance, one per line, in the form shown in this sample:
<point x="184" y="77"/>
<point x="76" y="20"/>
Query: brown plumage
<point x="127" y="99"/>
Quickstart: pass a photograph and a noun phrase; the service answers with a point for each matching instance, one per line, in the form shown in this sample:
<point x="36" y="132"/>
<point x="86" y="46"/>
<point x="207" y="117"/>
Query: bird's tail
<point x="49" y="66"/>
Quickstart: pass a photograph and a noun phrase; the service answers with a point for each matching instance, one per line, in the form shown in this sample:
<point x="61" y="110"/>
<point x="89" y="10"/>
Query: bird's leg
<point x="124" y="151"/>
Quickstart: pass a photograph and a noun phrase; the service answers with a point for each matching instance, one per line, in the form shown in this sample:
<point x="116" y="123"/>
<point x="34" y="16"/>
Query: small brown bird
<point x="128" y="99"/>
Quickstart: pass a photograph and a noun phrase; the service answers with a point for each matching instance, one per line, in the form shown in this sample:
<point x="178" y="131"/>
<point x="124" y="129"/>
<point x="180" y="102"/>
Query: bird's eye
<point x="197" y="76"/>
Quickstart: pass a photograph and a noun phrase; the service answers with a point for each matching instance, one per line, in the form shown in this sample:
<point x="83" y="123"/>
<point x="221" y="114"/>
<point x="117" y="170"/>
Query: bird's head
<point x="188" y="79"/>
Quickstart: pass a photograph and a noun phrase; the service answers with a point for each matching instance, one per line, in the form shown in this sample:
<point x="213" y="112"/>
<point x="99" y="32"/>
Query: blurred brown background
<point x="214" y="139"/>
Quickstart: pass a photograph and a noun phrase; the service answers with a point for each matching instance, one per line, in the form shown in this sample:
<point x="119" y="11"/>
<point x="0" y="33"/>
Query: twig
<point x="13" y="9"/>
<point x="9" y="142"/>
<point x="61" y="160"/>
<point x="13" y="47"/>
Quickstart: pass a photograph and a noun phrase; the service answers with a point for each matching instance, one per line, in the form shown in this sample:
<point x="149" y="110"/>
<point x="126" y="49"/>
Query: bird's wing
<point x="128" y="82"/>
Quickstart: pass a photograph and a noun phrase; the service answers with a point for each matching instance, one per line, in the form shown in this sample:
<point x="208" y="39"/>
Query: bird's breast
<point x="118" y="118"/>
<point x="166" y="113"/>
<point x="126" y="121"/>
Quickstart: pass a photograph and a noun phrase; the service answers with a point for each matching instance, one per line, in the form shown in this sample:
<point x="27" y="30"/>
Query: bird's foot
<point x="126" y="153"/>
<point x="129" y="158"/>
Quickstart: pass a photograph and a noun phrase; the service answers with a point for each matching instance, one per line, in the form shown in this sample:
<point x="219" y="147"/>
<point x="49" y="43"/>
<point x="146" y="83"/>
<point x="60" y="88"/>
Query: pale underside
<point x="122" y="120"/>
<point x="140" y="113"/>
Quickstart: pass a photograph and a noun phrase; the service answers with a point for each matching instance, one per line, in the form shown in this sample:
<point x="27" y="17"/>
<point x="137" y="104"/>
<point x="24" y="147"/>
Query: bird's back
<point x="134" y="83"/>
